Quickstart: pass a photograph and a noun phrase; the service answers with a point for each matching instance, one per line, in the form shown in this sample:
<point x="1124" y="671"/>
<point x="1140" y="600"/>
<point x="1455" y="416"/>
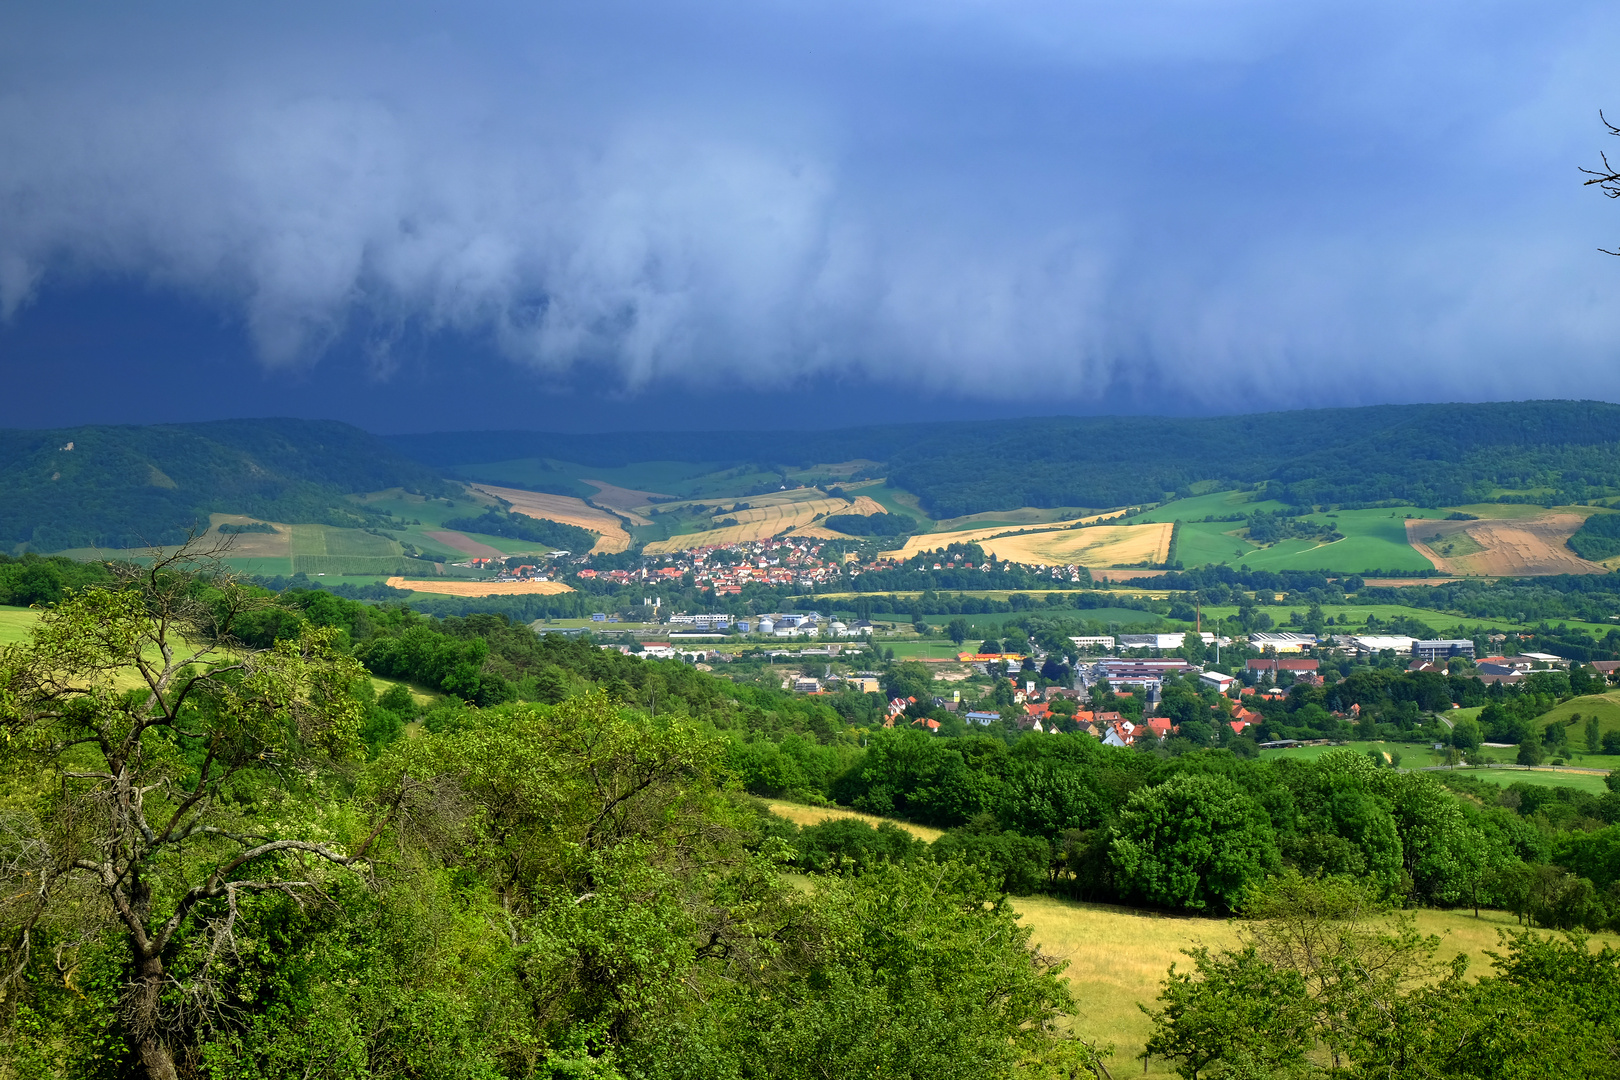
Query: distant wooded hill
<point x="1422" y="454"/>
<point x="122" y="486"/>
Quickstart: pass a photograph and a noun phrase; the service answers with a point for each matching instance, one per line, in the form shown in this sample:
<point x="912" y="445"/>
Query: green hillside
<point x="1424" y="455"/>
<point x="121" y="487"/>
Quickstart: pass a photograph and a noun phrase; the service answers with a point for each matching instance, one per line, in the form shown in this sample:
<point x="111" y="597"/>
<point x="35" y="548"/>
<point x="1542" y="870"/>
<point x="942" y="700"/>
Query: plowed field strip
<point x="1513" y="547"/>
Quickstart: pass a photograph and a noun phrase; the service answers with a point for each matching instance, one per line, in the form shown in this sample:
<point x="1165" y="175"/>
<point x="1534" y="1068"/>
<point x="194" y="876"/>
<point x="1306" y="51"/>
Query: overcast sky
<point x="571" y="215"/>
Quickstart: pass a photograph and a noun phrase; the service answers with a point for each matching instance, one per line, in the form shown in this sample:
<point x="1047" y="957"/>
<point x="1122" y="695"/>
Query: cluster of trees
<point x="1329" y="981"/>
<point x="872" y="524"/>
<point x="1194" y="832"/>
<point x="40" y="579"/>
<point x="211" y="875"/>
<point x="499" y="521"/>
<point x="1268" y="528"/>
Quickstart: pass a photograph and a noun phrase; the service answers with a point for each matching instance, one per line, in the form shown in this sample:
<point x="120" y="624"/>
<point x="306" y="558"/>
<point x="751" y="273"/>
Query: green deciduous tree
<point x="1194" y="842"/>
<point x="157" y="755"/>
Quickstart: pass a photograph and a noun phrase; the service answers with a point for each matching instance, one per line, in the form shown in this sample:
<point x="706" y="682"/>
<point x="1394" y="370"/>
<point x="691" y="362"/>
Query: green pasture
<point x="15" y="622"/>
<point x="1606" y="707"/>
<point x="1373" y="539"/>
<point x="1588" y="782"/>
<point x="1350" y="618"/>
<point x="1413" y="755"/>
<point x="897" y="501"/>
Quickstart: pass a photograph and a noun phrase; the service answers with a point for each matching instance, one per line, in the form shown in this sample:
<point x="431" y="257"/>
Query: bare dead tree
<point x="1606" y="179"/>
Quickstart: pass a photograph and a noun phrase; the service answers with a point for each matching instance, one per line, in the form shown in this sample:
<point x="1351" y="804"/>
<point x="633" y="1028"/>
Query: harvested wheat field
<point x="464" y="544"/>
<point x="1502" y="547"/>
<point x="451" y="587"/>
<point x="866" y="506"/>
<point x="1100" y="545"/>
<point x="762" y="522"/>
<point x="934" y="540"/>
<point x="626" y="501"/>
<point x="568" y="510"/>
<point x="253" y="545"/>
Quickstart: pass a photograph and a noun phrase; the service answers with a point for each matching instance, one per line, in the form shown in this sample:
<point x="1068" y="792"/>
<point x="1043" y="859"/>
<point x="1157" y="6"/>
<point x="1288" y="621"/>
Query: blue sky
<point x="574" y="216"/>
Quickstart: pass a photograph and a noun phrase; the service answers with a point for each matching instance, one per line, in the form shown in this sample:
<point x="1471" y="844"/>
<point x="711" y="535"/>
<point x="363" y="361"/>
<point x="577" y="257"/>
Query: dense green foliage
<point x="133" y="486"/>
<point x="35" y="579"/>
<point x="1598" y="538"/>
<point x="501" y="522"/>
<point x="1428" y="455"/>
<point x="1330" y="983"/>
<point x="529" y="890"/>
<point x="872" y="524"/>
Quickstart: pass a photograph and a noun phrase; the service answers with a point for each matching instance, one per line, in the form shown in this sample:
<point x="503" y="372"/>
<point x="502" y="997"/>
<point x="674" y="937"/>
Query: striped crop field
<point x="611" y="536"/>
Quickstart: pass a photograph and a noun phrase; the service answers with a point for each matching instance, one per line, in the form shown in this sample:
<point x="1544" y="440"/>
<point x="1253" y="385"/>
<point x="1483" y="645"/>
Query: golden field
<point x="568" y="510"/>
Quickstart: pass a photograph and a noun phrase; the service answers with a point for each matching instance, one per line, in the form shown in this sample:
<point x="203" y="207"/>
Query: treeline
<point x="1328" y="982"/>
<point x="872" y="524"/>
<point x="499" y="521"/>
<point x="36" y="579"/>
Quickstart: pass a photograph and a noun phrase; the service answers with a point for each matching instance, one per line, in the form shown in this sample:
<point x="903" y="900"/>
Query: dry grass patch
<point x="1100" y="545"/>
<point x="759" y="523"/>
<point x="934" y="540"/>
<point x="568" y="510"/>
<point x="480" y="588"/>
<point x="815" y="815"/>
<point x="253" y="545"/>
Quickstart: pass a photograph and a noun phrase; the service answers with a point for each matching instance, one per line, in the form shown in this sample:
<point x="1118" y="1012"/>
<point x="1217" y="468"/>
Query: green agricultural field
<point x="1413" y="755"/>
<point x="1588" y="782"/>
<point x="1373" y="539"/>
<point x="15" y="622"/>
<point x="1350" y="618"/>
<point x="261" y="567"/>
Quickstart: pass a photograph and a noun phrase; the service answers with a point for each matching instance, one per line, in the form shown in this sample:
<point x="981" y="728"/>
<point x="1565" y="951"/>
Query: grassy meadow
<point x="1117" y="956"/>
<point x="15" y="623"/>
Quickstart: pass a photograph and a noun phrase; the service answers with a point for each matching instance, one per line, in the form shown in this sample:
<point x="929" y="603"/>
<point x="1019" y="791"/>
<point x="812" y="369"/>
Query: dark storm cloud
<point x="1292" y="203"/>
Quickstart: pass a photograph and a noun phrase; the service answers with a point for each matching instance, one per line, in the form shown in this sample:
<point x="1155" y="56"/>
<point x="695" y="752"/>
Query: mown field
<point x="1117" y="956"/>
<point x="15" y="623"/>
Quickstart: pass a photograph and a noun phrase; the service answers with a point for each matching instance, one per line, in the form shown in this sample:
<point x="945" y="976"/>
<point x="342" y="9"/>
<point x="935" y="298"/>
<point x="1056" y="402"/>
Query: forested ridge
<point x="556" y="867"/>
<point x="128" y="486"/>
<point x="1424" y="454"/>
<point x="116" y="487"/>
